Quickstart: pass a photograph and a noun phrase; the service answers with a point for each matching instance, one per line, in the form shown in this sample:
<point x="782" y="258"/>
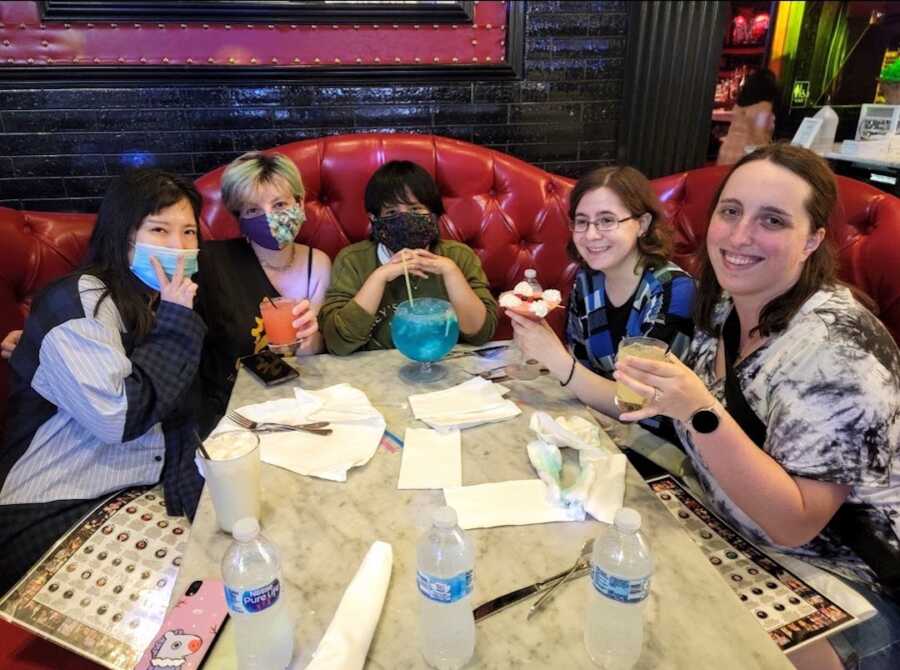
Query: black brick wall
<point x="60" y="147"/>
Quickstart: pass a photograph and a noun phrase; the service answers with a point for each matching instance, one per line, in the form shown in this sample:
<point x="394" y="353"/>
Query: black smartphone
<point x="269" y="368"/>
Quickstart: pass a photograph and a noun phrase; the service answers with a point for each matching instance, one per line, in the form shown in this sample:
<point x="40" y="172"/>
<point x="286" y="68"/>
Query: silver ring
<point x="656" y="394"/>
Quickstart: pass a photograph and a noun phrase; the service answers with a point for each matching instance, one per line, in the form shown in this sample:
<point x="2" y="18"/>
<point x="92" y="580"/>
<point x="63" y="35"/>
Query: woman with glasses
<point x="625" y="287"/>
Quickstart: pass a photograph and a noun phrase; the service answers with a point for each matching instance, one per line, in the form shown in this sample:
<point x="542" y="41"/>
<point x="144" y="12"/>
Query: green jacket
<point x="348" y="327"/>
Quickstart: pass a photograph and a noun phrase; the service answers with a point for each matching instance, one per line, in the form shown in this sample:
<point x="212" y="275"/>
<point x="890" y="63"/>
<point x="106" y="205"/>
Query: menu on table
<point x="790" y="610"/>
<point x="103" y="589"/>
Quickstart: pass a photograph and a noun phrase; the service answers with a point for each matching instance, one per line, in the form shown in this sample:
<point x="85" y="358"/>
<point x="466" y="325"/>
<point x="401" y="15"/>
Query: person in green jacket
<point x="367" y="281"/>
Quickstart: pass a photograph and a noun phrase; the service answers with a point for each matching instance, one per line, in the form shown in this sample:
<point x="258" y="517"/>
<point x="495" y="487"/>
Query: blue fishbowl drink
<point x="424" y="330"/>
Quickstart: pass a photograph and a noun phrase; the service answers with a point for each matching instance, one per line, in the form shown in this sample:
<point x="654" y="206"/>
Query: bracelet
<point x="571" y="374"/>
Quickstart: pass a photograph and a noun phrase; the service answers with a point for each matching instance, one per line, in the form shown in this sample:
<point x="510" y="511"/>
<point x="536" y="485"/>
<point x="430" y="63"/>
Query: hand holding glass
<point x="278" y="320"/>
<point x="650" y="348"/>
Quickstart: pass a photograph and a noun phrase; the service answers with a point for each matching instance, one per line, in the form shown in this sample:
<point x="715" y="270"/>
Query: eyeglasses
<point x="604" y="223"/>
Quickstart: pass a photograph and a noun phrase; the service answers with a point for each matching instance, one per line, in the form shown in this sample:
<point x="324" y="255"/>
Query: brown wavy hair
<point x="638" y="196"/>
<point x="819" y="270"/>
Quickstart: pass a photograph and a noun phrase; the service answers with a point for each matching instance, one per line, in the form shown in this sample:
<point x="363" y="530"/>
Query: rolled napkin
<point x="599" y="488"/>
<point x="471" y="403"/>
<point x="515" y="503"/>
<point x="346" y="642"/>
<point x="357" y="428"/>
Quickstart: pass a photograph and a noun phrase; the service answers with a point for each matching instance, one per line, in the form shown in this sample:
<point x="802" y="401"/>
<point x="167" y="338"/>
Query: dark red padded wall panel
<point x="27" y="41"/>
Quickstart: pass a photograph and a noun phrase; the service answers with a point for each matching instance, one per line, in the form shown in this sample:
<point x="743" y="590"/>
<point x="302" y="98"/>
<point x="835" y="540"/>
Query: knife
<point x="500" y="603"/>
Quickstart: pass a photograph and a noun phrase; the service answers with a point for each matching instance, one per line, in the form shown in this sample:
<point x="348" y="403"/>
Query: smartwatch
<point x="705" y="420"/>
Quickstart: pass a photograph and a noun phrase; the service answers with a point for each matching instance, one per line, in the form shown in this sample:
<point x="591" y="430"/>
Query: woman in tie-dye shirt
<point x="790" y="409"/>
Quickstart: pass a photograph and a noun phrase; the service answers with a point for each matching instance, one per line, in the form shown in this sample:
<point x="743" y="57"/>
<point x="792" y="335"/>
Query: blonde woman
<point x="265" y="194"/>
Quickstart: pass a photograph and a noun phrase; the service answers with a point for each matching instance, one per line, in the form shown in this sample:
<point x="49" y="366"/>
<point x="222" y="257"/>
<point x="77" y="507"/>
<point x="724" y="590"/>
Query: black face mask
<point x="406" y="230"/>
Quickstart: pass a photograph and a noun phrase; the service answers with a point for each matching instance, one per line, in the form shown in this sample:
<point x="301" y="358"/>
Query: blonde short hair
<point x="245" y="174"/>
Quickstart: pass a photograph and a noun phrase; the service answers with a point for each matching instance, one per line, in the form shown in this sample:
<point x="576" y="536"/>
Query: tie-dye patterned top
<point x="828" y="390"/>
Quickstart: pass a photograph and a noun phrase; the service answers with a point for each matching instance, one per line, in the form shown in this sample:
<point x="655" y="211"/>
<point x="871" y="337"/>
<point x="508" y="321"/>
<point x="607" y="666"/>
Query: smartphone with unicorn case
<point x="189" y="630"/>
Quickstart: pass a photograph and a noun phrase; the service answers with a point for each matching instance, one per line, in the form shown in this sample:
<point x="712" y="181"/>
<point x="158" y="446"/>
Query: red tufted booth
<point x="511" y="213"/>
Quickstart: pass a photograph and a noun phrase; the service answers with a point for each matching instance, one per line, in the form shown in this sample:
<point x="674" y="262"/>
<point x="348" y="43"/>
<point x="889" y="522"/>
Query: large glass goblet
<point x="424" y="331"/>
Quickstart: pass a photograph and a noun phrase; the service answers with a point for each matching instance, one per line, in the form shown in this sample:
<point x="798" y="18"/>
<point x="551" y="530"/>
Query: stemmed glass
<point x="424" y="330"/>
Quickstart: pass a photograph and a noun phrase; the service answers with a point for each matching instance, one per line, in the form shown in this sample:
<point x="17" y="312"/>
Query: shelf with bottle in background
<point x="745" y="50"/>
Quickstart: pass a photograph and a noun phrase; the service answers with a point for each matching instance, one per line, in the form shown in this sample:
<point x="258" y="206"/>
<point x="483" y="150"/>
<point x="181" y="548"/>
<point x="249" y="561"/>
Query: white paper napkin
<point x="515" y="503"/>
<point x="357" y="429"/>
<point x="431" y="459"/>
<point x="471" y="403"/>
<point x="603" y="468"/>
<point x="346" y="642"/>
<point x="608" y="490"/>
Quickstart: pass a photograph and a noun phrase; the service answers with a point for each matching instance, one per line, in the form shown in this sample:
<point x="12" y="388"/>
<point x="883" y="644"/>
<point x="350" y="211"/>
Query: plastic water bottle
<point x="445" y="561"/>
<point x="621" y="566"/>
<point x="263" y="631"/>
<point x="531" y="278"/>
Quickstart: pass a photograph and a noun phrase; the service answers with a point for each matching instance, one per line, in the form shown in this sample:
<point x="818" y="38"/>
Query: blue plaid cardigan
<point x="662" y="308"/>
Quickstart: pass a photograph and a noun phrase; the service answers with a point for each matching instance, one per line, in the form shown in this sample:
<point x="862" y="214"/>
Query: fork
<point x="484" y="352"/>
<point x="586" y="550"/>
<point x="317" y="428"/>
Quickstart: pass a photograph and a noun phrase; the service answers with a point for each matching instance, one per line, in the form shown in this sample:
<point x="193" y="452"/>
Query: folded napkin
<point x="599" y="488"/>
<point x="431" y="460"/>
<point x="346" y="642"/>
<point x="471" y="403"/>
<point x="515" y="503"/>
<point x="357" y="430"/>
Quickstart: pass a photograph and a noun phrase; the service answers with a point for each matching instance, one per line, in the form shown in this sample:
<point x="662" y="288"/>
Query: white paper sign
<point x="807" y="132"/>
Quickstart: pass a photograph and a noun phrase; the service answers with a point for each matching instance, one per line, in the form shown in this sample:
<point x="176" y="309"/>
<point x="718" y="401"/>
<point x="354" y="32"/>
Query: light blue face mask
<point x="168" y="258"/>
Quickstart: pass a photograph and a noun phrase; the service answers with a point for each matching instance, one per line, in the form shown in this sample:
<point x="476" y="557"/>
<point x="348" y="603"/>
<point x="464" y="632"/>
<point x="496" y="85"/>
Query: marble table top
<point x="323" y="529"/>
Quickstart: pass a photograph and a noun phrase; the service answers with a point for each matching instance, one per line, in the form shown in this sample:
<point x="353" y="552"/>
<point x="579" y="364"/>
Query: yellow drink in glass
<point x="639" y="347"/>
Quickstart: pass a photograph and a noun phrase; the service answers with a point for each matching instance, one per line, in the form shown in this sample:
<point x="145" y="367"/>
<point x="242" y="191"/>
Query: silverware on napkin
<point x="500" y="603"/>
<point x="317" y="428"/>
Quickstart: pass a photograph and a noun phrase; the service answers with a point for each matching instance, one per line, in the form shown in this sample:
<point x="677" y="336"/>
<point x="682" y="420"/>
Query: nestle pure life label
<point x="252" y="601"/>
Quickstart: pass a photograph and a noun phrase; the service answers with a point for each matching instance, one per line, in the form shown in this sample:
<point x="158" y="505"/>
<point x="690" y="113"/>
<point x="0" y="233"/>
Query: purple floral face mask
<point x="275" y="230"/>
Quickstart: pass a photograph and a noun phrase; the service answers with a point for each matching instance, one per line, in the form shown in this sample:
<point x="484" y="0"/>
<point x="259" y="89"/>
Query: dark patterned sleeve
<point x="674" y="322"/>
<point x="574" y="337"/>
<point x="834" y="413"/>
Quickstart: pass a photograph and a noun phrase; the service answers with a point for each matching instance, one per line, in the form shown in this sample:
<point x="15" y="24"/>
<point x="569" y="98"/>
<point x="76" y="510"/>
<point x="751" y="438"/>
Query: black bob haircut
<point x="396" y="181"/>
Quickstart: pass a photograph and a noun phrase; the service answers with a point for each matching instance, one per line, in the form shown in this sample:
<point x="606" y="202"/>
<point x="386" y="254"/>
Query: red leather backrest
<point x="511" y="213"/>
<point x="865" y="228"/>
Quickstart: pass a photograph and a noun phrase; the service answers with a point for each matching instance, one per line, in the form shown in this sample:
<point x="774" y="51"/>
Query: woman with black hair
<point x="367" y="283"/>
<point x="102" y="372"/>
<point x="753" y="117"/>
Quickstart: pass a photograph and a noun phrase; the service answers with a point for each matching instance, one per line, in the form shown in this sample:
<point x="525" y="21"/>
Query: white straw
<point x="406" y="274"/>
